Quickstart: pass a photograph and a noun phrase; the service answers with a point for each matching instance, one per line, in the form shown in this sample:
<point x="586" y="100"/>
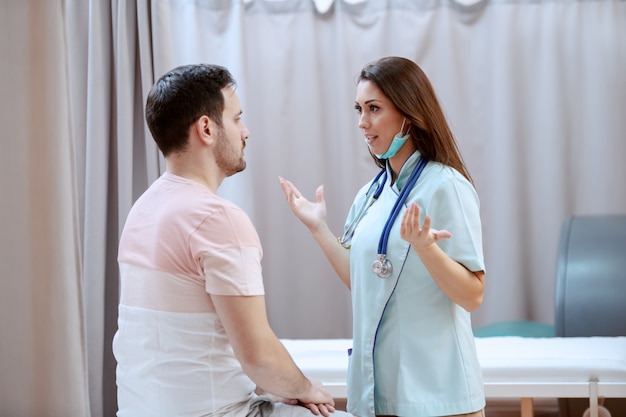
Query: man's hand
<point x="319" y="401"/>
<point x="317" y="409"/>
<point x="324" y="409"/>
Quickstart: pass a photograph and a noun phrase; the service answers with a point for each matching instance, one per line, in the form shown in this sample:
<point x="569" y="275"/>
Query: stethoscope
<point x="382" y="266"/>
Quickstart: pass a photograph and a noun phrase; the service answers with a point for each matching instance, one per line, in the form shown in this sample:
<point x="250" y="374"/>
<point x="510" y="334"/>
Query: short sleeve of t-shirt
<point x="228" y="252"/>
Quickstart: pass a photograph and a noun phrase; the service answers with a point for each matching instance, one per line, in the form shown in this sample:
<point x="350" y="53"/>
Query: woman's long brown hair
<point x="405" y="84"/>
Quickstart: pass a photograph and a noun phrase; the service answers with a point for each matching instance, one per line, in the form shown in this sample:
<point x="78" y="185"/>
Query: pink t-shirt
<point x="181" y="242"/>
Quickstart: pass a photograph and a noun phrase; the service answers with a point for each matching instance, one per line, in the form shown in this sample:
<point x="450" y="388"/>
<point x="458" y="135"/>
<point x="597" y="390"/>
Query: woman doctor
<point x="411" y="254"/>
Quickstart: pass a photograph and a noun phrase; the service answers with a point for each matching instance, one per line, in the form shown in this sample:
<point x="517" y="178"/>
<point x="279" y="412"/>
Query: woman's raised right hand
<point x="312" y="214"/>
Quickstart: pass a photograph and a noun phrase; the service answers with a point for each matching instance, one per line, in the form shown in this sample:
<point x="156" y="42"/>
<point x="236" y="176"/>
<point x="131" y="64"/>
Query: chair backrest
<point x="591" y="277"/>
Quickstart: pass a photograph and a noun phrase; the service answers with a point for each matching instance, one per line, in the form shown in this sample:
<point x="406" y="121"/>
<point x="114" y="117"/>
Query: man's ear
<point x="205" y="129"/>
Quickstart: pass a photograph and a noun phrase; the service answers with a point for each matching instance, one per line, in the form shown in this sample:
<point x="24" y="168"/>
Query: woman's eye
<point x="358" y="108"/>
<point x="373" y="108"/>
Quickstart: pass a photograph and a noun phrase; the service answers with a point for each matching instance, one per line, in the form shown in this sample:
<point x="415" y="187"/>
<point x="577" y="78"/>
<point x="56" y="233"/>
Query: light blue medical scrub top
<point x="413" y="350"/>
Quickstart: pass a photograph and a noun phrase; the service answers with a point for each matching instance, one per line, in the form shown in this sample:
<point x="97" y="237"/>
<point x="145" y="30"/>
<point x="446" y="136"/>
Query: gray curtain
<point x="111" y="66"/>
<point x="42" y="343"/>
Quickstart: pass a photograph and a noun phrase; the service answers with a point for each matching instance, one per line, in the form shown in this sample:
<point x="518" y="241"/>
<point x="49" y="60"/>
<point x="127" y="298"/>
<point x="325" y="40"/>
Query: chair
<point x="591" y="288"/>
<point x="591" y="277"/>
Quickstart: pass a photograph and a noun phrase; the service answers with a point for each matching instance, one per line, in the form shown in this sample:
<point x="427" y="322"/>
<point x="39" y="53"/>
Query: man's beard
<point x="228" y="159"/>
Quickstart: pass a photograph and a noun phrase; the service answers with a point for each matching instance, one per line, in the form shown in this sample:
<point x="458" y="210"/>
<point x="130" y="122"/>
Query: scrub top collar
<point x="405" y="171"/>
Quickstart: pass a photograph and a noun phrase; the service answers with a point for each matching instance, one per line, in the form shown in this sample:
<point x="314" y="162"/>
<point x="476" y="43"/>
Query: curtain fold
<point x="117" y="160"/>
<point x="42" y="365"/>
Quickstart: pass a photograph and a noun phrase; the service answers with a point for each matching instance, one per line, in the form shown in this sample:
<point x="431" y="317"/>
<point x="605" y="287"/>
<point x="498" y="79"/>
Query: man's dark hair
<point x="180" y="97"/>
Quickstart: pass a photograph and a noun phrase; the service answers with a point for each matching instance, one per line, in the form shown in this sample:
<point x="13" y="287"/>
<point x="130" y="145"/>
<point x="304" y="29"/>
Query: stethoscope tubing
<point x="384" y="237"/>
<point x="382" y="266"/>
<point x="370" y="199"/>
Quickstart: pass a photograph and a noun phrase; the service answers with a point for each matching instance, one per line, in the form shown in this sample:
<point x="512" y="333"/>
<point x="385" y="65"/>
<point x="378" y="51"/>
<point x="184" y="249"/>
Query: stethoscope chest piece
<point x="382" y="266"/>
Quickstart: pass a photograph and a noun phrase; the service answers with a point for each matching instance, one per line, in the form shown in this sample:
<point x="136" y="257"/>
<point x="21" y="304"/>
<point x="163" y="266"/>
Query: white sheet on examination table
<point x="513" y="367"/>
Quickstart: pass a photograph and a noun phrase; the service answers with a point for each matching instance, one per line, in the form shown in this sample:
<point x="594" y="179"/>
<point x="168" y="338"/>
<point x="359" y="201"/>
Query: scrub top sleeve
<point x="455" y="207"/>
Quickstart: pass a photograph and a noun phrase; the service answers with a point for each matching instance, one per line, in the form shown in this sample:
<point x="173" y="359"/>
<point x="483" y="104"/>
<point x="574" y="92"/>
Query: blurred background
<point x="534" y="92"/>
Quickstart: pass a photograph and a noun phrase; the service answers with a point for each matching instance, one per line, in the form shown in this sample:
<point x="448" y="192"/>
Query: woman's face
<point x="379" y="119"/>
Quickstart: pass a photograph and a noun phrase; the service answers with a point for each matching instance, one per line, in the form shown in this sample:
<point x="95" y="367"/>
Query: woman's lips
<point x="370" y="138"/>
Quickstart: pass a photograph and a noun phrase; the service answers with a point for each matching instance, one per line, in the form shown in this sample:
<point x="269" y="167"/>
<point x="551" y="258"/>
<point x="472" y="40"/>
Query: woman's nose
<point x="362" y="121"/>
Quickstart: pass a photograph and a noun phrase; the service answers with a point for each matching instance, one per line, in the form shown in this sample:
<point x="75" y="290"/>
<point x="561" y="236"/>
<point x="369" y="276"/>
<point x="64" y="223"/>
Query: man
<point x="193" y="337"/>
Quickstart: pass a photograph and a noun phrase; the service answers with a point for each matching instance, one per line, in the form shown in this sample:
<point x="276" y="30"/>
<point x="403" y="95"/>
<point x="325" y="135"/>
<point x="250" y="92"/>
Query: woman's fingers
<point x="411" y="221"/>
<point x="426" y="226"/>
<point x="286" y="186"/>
<point x="289" y="190"/>
<point x="411" y="231"/>
<point x="319" y="194"/>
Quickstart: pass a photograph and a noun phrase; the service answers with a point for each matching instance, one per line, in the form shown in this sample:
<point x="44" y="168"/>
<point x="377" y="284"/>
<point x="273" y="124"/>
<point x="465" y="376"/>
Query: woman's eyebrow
<point x="368" y="101"/>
